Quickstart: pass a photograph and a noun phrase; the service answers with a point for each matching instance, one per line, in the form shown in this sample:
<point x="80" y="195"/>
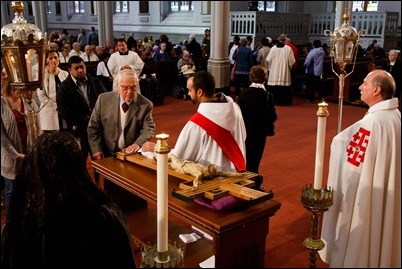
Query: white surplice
<point x="363" y="227"/>
<point x="196" y="145"/>
<point x="116" y="61"/>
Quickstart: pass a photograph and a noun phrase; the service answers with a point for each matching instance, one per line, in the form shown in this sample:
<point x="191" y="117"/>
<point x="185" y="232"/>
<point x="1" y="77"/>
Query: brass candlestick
<point x="314" y="198"/>
<point x="317" y="202"/>
<point x="172" y="258"/>
<point x="163" y="254"/>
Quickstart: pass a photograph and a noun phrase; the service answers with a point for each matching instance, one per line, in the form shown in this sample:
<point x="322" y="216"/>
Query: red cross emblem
<point x="357" y="147"/>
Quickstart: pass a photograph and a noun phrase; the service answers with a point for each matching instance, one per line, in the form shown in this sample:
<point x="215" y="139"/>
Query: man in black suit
<point x="76" y="98"/>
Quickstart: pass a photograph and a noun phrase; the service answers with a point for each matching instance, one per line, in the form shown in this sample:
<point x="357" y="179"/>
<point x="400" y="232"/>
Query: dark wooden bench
<point x="166" y="72"/>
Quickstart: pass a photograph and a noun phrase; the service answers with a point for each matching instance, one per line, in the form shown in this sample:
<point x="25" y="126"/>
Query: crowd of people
<point x="47" y="184"/>
<point x="86" y="45"/>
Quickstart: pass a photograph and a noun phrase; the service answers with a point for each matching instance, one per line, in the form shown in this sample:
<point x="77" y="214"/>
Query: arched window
<point x="365" y="6"/>
<point x="267" y="6"/>
<point x="79" y="7"/>
<point x="120" y="6"/>
<point x="177" y="6"/>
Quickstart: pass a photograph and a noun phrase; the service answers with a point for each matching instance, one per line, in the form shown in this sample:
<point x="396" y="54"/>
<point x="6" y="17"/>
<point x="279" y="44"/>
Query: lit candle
<point x="162" y="150"/>
<point x="16" y="79"/>
<point x="322" y="114"/>
<point x="29" y="67"/>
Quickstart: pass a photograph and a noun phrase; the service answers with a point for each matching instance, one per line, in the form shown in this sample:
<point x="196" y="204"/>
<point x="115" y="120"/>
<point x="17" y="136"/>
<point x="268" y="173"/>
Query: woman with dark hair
<point x="58" y="217"/>
<point x="52" y="78"/>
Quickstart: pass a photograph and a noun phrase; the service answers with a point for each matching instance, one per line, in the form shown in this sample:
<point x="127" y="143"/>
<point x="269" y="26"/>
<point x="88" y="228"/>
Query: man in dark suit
<point x="121" y="120"/>
<point x="76" y="98"/>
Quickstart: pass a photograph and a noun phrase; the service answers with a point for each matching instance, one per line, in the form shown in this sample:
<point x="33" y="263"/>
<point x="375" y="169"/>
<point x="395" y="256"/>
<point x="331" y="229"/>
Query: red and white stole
<point x="223" y="138"/>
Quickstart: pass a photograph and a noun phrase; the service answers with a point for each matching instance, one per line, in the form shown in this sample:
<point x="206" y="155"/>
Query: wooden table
<point x="238" y="236"/>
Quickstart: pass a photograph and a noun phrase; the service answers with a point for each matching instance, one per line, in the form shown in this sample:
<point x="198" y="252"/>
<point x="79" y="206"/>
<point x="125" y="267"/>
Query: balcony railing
<point x="304" y="28"/>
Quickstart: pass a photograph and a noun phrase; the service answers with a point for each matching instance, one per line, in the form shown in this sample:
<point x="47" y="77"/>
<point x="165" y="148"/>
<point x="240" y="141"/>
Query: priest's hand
<point x="148" y="146"/>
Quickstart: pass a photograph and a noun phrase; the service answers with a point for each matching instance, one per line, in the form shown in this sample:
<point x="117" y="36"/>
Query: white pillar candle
<point x="162" y="207"/>
<point x="162" y="150"/>
<point x="322" y="113"/>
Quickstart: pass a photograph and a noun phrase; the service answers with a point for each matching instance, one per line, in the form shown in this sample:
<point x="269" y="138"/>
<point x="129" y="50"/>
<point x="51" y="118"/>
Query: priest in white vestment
<point x="196" y="144"/>
<point x="363" y="227"/>
<point x="124" y="59"/>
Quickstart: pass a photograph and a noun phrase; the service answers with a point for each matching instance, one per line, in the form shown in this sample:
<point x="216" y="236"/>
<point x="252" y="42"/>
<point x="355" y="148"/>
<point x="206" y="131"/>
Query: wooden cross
<point x="240" y="186"/>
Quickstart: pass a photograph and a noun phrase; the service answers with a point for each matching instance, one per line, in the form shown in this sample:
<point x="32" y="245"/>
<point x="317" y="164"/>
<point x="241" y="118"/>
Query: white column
<point x="43" y="15"/>
<point x="340" y="9"/>
<point x="101" y="22"/>
<point x="36" y="14"/>
<point x="108" y="6"/>
<point x="218" y="63"/>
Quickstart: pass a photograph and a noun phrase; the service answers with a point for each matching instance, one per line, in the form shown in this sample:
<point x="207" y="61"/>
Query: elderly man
<point x="363" y="227"/>
<point x="89" y="55"/>
<point x="121" y="120"/>
<point x="76" y="51"/>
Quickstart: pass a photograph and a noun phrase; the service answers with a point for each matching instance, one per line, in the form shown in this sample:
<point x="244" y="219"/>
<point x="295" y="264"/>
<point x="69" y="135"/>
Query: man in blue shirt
<point x="314" y="65"/>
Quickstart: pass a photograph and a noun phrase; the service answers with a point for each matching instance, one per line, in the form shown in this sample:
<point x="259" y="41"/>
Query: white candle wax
<point x="162" y="202"/>
<point x="319" y="153"/>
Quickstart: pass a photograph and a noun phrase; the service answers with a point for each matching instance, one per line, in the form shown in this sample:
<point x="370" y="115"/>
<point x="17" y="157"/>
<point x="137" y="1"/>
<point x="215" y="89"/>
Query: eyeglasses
<point x="128" y="88"/>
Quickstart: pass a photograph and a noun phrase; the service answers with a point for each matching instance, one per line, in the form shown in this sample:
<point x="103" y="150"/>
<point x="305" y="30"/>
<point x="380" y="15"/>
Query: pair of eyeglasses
<point x="128" y="88"/>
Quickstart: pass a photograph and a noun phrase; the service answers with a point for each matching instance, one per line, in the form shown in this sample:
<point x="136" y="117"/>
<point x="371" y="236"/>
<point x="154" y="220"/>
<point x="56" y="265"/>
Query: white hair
<point x="126" y="73"/>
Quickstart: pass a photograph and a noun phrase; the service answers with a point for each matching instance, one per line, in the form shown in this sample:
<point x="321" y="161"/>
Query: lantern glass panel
<point x="32" y="63"/>
<point x="11" y="63"/>
<point x="349" y="50"/>
<point x="339" y="51"/>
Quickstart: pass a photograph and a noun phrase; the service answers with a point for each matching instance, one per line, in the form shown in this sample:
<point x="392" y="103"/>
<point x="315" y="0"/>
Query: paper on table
<point x="148" y="154"/>
<point x="201" y="232"/>
<point x="208" y="263"/>
<point x="189" y="238"/>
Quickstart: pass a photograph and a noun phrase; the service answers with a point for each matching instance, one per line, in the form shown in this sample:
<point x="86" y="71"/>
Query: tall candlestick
<point x="322" y="114"/>
<point x="162" y="150"/>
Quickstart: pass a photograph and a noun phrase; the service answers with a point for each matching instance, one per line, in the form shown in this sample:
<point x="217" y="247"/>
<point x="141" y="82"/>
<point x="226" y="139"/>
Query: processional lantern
<point x="344" y="41"/>
<point x="23" y="50"/>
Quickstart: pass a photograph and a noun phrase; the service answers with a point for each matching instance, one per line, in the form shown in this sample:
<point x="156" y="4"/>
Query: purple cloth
<point x="225" y="203"/>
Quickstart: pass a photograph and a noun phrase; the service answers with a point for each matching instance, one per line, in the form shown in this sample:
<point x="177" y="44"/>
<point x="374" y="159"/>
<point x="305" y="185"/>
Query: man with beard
<point x="216" y="133"/>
